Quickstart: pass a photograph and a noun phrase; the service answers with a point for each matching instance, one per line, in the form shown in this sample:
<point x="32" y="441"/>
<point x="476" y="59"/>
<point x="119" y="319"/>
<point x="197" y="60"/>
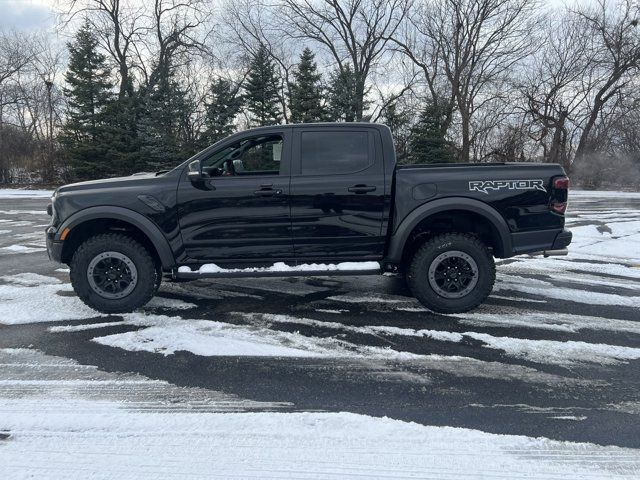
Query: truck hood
<point x="130" y="181"/>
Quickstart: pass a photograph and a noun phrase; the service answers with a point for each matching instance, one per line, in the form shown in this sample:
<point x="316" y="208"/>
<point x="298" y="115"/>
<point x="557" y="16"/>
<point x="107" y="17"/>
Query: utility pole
<point x="48" y="173"/>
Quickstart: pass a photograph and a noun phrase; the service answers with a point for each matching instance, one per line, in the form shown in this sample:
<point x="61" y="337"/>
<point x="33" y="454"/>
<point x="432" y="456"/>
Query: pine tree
<point x="121" y="124"/>
<point x="305" y="93"/>
<point x="262" y="96"/>
<point x="224" y="106"/>
<point x="88" y="93"/>
<point x="428" y="144"/>
<point x="164" y="107"/>
<point x="342" y="95"/>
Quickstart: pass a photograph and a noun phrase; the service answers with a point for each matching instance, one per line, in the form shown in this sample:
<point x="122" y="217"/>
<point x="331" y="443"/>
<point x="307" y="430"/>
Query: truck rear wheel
<point x="452" y="273"/>
<point x="113" y="273"/>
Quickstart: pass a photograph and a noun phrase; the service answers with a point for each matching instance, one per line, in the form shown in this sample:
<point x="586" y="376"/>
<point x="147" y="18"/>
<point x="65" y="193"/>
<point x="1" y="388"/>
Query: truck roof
<point x="318" y="124"/>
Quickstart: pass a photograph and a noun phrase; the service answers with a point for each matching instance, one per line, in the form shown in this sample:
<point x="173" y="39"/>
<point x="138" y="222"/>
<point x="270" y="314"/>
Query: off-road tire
<point x="418" y="272"/>
<point x="147" y="279"/>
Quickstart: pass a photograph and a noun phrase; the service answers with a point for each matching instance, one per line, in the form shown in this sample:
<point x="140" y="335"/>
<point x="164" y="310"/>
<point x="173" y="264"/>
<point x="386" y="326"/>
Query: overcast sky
<point x="26" y="14"/>
<point x="38" y="14"/>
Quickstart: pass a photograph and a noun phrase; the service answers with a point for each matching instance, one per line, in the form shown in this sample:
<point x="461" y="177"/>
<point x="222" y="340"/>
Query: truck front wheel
<point x="113" y="273"/>
<point x="452" y="273"/>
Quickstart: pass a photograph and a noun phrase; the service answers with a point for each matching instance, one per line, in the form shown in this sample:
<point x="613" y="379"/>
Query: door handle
<point x="362" y="188"/>
<point x="268" y="192"/>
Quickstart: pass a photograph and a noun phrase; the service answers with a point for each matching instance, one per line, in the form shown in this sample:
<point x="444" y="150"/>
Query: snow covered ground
<point x="21" y="193"/>
<point x="293" y="378"/>
<point x="61" y="437"/>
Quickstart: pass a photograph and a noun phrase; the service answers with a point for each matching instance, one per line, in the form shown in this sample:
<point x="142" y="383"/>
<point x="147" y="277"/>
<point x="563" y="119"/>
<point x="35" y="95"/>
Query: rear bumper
<point x="540" y="241"/>
<point x="563" y="239"/>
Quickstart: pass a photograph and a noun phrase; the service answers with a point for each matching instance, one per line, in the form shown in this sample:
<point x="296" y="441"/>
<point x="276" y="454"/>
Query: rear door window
<point x="333" y="152"/>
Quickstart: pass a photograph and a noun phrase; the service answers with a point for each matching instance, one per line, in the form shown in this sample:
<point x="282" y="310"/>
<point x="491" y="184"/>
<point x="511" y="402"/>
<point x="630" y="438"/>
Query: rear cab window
<point x="334" y="152"/>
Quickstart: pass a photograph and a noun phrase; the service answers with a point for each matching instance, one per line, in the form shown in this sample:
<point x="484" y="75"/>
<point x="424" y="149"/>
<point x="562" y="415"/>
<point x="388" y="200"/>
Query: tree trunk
<point x="556" y="152"/>
<point x="465" y="152"/>
<point x="584" y="138"/>
<point x="359" y="100"/>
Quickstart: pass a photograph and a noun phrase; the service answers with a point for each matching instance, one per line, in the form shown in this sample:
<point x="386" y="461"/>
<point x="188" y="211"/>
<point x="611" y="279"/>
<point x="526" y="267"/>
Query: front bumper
<point x="54" y="249"/>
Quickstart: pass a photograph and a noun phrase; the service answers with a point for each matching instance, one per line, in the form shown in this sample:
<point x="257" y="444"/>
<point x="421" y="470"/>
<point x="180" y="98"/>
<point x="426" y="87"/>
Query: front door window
<point x="250" y="156"/>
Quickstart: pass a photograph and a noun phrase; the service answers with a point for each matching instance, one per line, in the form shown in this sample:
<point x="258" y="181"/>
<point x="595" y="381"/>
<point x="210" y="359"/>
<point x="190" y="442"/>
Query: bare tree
<point x="354" y="32"/>
<point x="255" y="24"/>
<point x="119" y="24"/>
<point x="15" y="55"/>
<point x="32" y="105"/>
<point x="474" y="45"/>
<point x="552" y="87"/>
<point x="142" y="37"/>
<point x="613" y="27"/>
<point x="176" y="30"/>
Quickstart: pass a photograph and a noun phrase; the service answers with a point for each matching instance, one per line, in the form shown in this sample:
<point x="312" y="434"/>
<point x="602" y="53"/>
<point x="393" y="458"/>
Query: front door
<point x="240" y="210"/>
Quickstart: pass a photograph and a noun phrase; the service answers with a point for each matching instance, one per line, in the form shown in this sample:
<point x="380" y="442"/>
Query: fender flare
<point x="401" y="235"/>
<point x="149" y="228"/>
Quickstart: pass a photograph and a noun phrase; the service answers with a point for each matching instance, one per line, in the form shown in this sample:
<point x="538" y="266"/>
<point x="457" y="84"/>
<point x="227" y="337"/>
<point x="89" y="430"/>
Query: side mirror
<point x="195" y="171"/>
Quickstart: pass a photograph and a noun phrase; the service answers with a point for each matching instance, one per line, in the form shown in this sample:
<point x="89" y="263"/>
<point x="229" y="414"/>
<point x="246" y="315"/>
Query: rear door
<point x="241" y="210"/>
<point x="337" y="193"/>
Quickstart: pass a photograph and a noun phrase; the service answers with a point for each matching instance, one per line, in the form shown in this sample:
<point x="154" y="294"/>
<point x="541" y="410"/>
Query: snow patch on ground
<point x="367" y="330"/>
<point x="84" y="327"/>
<point x="549" y="290"/>
<point x="541" y="351"/>
<point x="29" y="279"/>
<point x="555" y="352"/>
<point x="23" y="212"/>
<point x="7" y="223"/>
<point x="562" y="322"/>
<point x="59" y="437"/>
<point x="22" y="249"/>
<point x="167" y="335"/>
<point x="597" y="194"/>
<point x="517" y="299"/>
<point x="30" y="298"/>
<point x="21" y="193"/>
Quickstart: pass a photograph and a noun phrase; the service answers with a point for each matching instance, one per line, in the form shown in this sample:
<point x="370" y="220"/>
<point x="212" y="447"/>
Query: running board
<point x="262" y="274"/>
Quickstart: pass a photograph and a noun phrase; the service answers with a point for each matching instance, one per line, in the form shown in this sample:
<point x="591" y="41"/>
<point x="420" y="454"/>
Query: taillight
<point x="559" y="194"/>
<point x="561" y="183"/>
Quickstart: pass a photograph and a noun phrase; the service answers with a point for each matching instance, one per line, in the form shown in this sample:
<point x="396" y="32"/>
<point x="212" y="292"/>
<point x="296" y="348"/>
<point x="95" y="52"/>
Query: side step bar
<point x="551" y="253"/>
<point x="262" y="274"/>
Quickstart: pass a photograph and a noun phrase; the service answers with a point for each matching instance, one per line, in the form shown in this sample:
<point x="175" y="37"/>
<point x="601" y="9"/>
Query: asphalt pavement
<point x="517" y="365"/>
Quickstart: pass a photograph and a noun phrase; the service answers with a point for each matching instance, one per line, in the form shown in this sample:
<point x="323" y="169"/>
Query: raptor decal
<point x="485" y="186"/>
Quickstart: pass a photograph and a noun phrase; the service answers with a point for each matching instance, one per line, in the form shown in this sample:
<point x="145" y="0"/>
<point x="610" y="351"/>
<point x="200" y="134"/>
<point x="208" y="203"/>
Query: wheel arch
<point x="95" y="220"/>
<point x="480" y="218"/>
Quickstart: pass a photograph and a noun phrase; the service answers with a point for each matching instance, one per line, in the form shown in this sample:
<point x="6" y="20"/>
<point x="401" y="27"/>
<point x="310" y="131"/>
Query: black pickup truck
<point x="309" y="199"/>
